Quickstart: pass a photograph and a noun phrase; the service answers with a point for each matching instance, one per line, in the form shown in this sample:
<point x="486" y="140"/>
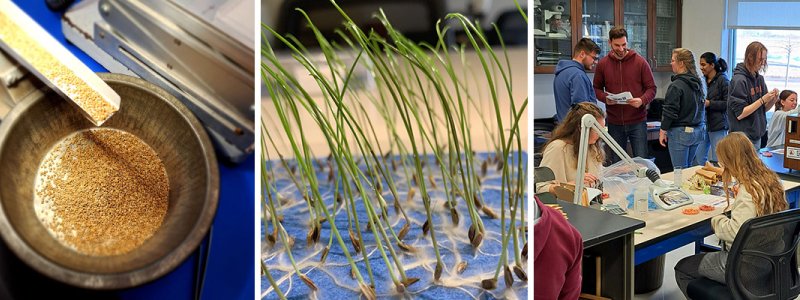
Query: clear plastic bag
<point x="620" y="181"/>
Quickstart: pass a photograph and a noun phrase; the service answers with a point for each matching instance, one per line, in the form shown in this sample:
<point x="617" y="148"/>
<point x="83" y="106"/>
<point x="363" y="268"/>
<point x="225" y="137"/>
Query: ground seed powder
<point x="101" y="192"/>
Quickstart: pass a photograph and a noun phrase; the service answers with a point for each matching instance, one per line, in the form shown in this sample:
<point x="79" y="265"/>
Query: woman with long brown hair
<point x="561" y="153"/>
<point x="758" y="192"/>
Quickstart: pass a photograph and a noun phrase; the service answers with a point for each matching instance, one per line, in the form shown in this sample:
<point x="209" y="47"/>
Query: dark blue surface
<point x="230" y="266"/>
<point x="333" y="277"/>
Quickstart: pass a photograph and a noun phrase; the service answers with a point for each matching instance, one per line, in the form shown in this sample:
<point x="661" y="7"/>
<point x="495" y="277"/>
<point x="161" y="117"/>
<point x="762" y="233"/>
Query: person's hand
<point x="771" y="95"/>
<point x="590" y="180"/>
<point x="662" y="137"/>
<point x="635" y="102"/>
<point x="610" y="102"/>
<point x="708" y="103"/>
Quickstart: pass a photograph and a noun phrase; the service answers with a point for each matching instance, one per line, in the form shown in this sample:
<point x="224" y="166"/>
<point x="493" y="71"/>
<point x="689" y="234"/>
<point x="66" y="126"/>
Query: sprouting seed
<point x="489" y="212"/>
<point x="432" y="181"/>
<point x="353" y="240"/>
<point x="520" y="273"/>
<point x="437" y="273"/>
<point x="484" y="166"/>
<point x="426" y="227"/>
<point x="394" y="165"/>
<point x="403" y="231"/>
<point x="525" y="251"/>
<point x="331" y="175"/>
<point x="454" y="215"/>
<point x="368" y="292"/>
<point x="411" y="192"/>
<point x="500" y="165"/>
<point x="477" y="201"/>
<point x="461" y="267"/>
<point x="292" y="169"/>
<point x="508" y="276"/>
<point x="476" y="242"/>
<point x="471" y="232"/>
<point x="489" y="284"/>
<point x="409" y="281"/>
<point x="309" y="282"/>
<point x="324" y="254"/>
<point x="406" y="247"/>
<point x="399" y="288"/>
<point x="414" y="179"/>
<point x="290" y="242"/>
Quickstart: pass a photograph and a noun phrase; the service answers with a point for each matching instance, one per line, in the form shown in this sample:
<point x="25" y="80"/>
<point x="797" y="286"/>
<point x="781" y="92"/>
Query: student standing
<point x="571" y="85"/>
<point x="624" y="70"/>
<point x="749" y="99"/>
<point x="682" y="120"/>
<point x="777" y="125"/>
<point x="561" y="153"/>
<point x="759" y="192"/>
<point x="716" y="104"/>
<point x="557" y="255"/>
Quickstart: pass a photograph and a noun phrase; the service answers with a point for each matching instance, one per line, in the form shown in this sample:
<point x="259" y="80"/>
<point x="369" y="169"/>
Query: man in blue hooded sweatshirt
<point x="571" y="84"/>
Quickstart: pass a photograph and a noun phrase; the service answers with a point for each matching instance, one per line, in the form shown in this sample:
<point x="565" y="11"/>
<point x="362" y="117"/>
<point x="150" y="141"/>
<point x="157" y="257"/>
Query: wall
<point x="702" y="31"/>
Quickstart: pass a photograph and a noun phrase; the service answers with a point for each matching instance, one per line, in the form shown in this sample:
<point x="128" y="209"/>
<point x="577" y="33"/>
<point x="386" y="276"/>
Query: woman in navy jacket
<point x="716" y="104"/>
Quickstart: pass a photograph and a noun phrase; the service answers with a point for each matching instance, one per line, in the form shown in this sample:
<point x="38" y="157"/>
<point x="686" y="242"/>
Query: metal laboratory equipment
<point x="201" y="52"/>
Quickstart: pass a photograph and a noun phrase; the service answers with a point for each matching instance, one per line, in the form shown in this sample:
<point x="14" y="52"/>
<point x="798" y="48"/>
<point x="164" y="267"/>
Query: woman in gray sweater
<point x="786" y="106"/>
<point x="716" y="104"/>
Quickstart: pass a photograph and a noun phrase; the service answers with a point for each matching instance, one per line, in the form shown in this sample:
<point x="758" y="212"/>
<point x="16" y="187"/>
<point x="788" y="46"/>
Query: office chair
<point x="543" y="174"/>
<point x="761" y="262"/>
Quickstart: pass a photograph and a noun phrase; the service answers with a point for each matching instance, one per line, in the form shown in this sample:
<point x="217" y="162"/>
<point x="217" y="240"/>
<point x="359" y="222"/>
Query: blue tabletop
<point x="230" y="267"/>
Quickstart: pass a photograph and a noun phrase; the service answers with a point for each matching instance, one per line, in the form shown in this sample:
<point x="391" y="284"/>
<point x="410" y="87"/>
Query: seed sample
<point x="78" y="90"/>
<point x="101" y="192"/>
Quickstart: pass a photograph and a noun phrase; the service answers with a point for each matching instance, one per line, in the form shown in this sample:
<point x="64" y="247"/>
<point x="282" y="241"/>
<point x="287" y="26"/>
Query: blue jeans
<point x="637" y="133"/>
<point x="708" y="147"/>
<point x="682" y="145"/>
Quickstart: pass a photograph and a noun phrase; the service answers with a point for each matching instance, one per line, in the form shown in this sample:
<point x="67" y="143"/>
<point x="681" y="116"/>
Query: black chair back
<point x="761" y="262"/>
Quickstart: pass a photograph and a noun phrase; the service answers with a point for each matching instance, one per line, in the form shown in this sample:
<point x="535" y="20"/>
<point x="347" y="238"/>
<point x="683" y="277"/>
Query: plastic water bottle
<point x="640" y="199"/>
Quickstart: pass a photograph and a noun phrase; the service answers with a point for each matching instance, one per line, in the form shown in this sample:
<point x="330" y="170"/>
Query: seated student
<point x="759" y="192"/>
<point x="557" y="255"/>
<point x="777" y="125"/>
<point x="560" y="154"/>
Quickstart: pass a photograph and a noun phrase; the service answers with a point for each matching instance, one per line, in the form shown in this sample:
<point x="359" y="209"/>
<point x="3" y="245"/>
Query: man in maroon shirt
<point x="624" y="70"/>
<point x="557" y="255"/>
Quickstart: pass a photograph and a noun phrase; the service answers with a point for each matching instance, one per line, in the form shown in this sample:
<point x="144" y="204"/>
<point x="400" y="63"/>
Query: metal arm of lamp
<point x="588" y="122"/>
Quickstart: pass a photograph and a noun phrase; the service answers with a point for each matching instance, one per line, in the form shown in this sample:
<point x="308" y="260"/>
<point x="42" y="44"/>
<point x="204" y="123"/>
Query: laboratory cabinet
<point x="654" y="28"/>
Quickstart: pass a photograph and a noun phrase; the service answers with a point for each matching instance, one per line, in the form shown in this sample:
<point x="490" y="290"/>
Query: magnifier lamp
<point x="659" y="187"/>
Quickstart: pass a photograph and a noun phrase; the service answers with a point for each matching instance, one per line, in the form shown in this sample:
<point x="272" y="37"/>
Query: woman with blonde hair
<point x="561" y="153"/>
<point x="683" y="117"/>
<point x="758" y="192"/>
<point x="749" y="100"/>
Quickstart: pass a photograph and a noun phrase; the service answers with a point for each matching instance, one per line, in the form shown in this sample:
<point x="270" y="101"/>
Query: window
<point x="783" y="55"/>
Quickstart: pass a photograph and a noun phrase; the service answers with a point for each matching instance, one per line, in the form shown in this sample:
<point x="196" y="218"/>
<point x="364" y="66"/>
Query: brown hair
<point x="587" y="45"/>
<point x="570" y="130"/>
<point x="687" y="58"/>
<point x="740" y="161"/>
<point x="783" y="96"/>
<point x="617" y="32"/>
<point x="751" y="57"/>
